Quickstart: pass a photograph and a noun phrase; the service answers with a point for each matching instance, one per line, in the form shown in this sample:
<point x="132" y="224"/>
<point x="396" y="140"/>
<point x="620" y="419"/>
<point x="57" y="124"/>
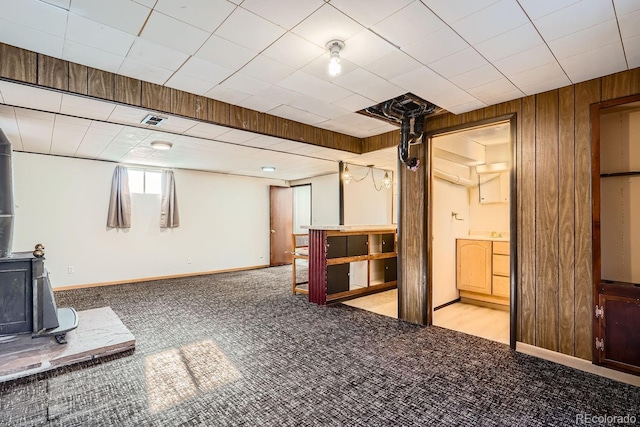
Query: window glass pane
<point x="153" y="182"/>
<point x="136" y="180"/>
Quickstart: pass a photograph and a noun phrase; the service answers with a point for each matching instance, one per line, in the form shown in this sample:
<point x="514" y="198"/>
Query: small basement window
<point x="144" y="181"/>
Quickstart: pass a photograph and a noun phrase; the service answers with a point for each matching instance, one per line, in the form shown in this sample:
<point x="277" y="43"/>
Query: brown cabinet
<point x="482" y="271"/>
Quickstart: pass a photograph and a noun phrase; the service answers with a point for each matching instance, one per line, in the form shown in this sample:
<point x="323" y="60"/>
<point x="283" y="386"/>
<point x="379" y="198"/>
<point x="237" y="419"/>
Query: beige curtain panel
<point x="119" y="215"/>
<point x="169" y="217"/>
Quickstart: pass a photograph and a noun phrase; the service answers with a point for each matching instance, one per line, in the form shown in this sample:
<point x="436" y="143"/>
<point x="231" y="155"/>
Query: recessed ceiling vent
<point x="152" y="120"/>
<point x="407" y="105"/>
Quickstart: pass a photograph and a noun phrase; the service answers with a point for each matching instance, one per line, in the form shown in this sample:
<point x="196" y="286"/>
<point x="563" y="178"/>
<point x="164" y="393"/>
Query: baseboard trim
<point x="149" y="279"/>
<point x="446" y="304"/>
<point x="577" y="363"/>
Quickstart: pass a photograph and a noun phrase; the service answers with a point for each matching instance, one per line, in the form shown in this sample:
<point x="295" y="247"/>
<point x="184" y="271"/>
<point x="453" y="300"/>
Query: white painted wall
<point x="620" y="197"/>
<point x="447" y="198"/>
<point x="363" y="204"/>
<point x="325" y="200"/>
<point x="63" y="202"/>
<point x="301" y="207"/>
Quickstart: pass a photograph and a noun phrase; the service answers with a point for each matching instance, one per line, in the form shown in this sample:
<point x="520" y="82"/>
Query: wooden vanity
<point x="482" y="271"/>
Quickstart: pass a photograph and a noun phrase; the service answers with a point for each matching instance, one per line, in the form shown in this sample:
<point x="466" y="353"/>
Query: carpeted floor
<point x="238" y="349"/>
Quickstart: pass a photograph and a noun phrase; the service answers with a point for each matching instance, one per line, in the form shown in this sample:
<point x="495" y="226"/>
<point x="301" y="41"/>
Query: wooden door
<point x="281" y="225"/>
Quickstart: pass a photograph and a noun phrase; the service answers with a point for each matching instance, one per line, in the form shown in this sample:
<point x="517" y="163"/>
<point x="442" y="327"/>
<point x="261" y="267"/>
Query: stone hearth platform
<point x="100" y="333"/>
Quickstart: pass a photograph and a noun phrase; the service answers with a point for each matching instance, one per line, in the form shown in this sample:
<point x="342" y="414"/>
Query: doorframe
<point x="513" y="214"/>
<point x="596" y="250"/>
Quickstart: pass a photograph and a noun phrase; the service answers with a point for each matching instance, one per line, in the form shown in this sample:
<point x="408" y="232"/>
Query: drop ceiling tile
<point x="187" y="83"/>
<point x="87" y="55"/>
<point x="308" y="85"/>
<point x="99" y="36"/>
<point x="573" y="18"/>
<point x="327" y="24"/>
<point x="246" y="84"/>
<point x="293" y="50"/>
<point x="86" y="107"/>
<point x="158" y="55"/>
<point x="502" y="97"/>
<point x="369" y="12"/>
<point x="249" y="30"/>
<point x="320" y="108"/>
<point x="525" y="60"/>
<point x="537" y="9"/>
<point x="227" y="94"/>
<point x="34" y="114"/>
<point x="127" y="115"/>
<point x="320" y="68"/>
<point x="65" y="142"/>
<point x="225" y="53"/>
<point x="27" y="96"/>
<point x="63" y="4"/>
<point x="422" y="82"/>
<point x="605" y="60"/>
<point x="625" y="6"/>
<point x="453" y="10"/>
<point x="266" y="69"/>
<point x="466" y="106"/>
<point x="176" y="124"/>
<point x="458" y="63"/>
<point x="237" y="136"/>
<point x="279" y="94"/>
<point x="340" y="127"/>
<point x="204" y="14"/>
<point x="123" y="15"/>
<point x="632" y="47"/>
<point x="493" y="88"/>
<point x="30" y="39"/>
<point x="36" y="135"/>
<point x="355" y="102"/>
<point x="297" y="115"/>
<point x="493" y="20"/>
<point x="143" y="71"/>
<point x="205" y="70"/>
<point x="544" y="85"/>
<point x="365" y="47"/>
<point x="392" y="65"/>
<point x="172" y="33"/>
<point x="586" y="40"/>
<point x="547" y="73"/>
<point x="148" y="3"/>
<point x="409" y="24"/>
<point x="284" y="13"/>
<point x="438" y="45"/>
<point x="514" y="41"/>
<point x="104" y="129"/>
<point x="36" y="15"/>
<point x="452" y="97"/>
<point x="477" y="77"/>
<point x="630" y="24"/>
<point x="258" y="103"/>
<point x="369" y="85"/>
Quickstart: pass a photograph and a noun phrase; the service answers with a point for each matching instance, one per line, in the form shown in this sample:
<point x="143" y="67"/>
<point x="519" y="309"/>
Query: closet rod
<point x="630" y="173"/>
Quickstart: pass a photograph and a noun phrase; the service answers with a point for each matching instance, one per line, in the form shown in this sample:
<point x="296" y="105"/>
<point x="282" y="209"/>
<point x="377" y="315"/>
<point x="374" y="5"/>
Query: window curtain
<point x="169" y="217"/>
<point x="119" y="215"/>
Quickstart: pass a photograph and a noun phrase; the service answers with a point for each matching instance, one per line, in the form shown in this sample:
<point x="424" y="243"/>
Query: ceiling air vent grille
<point x="152" y="120"/>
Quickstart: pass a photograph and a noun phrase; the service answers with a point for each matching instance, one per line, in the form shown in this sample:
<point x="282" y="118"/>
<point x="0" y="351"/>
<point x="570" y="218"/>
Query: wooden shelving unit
<point x="349" y="262"/>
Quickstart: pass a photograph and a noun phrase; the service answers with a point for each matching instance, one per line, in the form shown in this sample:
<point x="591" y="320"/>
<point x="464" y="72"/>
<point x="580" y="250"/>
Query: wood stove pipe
<point x="7" y="207"/>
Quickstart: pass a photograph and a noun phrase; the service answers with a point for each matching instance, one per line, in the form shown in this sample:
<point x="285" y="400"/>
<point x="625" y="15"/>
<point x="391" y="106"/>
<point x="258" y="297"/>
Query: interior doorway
<point x="471" y="229"/>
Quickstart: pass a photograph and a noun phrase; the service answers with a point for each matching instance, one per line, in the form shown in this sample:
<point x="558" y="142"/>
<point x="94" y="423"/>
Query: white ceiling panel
<point x="37" y="15"/>
<point x="392" y="65"/>
<point x="369" y="85"/>
<point x="632" y="47"/>
<point x="279" y="95"/>
<point x="467" y="106"/>
<point x="82" y="54"/>
<point x="123" y="15"/>
<point x="327" y="24"/>
<point x="86" y="107"/>
<point x="136" y="69"/>
<point x="573" y="18"/>
<point x="266" y="69"/>
<point x="258" y="103"/>
<point x="369" y="12"/>
<point x="30" y="39"/>
<point x="99" y="36"/>
<point x="173" y="33"/>
<point x="65" y="141"/>
<point x="225" y="53"/>
<point x="204" y="14"/>
<point x="244" y="83"/>
<point x="355" y="102"/>
<point x="491" y="21"/>
<point x="630" y="24"/>
<point x="284" y="13"/>
<point x="458" y="63"/>
<point x="585" y="40"/>
<point x="477" y="77"/>
<point x="410" y="24"/>
<point x="293" y="50"/>
<point x="227" y="94"/>
<point x="495" y="88"/>
<point x="320" y="68"/>
<point x="438" y="45"/>
<point x="127" y="115"/>
<point x="318" y="107"/>
<point x="249" y="30"/>
<point x="36" y="134"/>
<point x="155" y="54"/>
<point x="64" y="4"/>
<point x="626" y="6"/>
<point x="365" y="47"/>
<point x="205" y="70"/>
<point x="537" y="9"/>
<point x="309" y="85"/>
<point x="526" y="60"/>
<point x="31" y="97"/>
<point x="598" y="62"/>
<point x="454" y="10"/>
<point x="530" y="80"/>
<point x="187" y="83"/>
<point x="296" y="114"/>
<point x="517" y="40"/>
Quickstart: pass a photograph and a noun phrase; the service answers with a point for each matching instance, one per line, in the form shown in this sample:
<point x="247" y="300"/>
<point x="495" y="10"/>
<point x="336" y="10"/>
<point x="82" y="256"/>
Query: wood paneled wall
<point x="41" y="70"/>
<point x="553" y="160"/>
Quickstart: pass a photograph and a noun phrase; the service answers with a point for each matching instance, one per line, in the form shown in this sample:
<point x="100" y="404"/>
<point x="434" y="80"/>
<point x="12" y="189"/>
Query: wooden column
<point x="317" y="267"/>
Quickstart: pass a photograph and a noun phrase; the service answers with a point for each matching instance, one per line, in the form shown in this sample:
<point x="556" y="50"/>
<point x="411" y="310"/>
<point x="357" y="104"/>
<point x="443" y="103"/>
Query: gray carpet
<point x="238" y="349"/>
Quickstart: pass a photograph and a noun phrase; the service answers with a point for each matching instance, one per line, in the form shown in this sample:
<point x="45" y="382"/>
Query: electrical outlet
<point x="71" y="269"/>
<point x="189" y="260"/>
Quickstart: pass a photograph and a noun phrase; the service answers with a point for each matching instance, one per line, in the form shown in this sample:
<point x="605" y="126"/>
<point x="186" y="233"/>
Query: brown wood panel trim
<point x="618" y="85"/>
<point x="585" y="94"/>
<point x="183" y="103"/>
<point x="53" y="72"/>
<point x="156" y="97"/>
<point x="566" y="162"/>
<point x="201" y="106"/>
<point x="18" y="64"/>
<point x="128" y="90"/>
<point x="243" y="118"/>
<point x="78" y="78"/>
<point x="100" y="84"/>
<point x="218" y="112"/>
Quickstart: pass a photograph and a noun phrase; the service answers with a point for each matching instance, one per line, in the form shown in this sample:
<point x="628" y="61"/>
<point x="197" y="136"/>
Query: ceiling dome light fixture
<point x="161" y="145"/>
<point x="334" y="47"/>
